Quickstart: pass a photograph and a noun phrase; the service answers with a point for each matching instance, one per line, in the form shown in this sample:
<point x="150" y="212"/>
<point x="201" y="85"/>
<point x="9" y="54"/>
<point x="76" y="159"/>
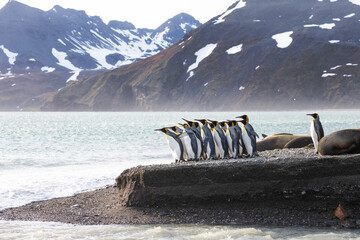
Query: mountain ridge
<point x="73" y="44"/>
<point x="258" y="55"/>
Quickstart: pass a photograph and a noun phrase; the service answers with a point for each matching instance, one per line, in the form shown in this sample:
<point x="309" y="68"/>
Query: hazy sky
<point x="142" y="13"/>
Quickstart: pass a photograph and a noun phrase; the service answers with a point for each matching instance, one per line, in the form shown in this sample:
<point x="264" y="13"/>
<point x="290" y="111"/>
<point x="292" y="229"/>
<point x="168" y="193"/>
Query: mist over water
<point x="46" y="155"/>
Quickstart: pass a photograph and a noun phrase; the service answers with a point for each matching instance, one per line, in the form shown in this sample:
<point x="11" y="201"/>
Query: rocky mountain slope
<point x="281" y="54"/>
<point x="62" y="45"/>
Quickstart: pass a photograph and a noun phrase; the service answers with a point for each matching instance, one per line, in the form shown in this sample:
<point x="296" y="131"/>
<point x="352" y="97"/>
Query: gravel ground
<point x="102" y="207"/>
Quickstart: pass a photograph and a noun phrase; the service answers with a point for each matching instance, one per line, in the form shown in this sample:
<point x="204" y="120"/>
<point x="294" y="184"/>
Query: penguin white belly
<point x="174" y="147"/>
<point x="187" y="146"/>
<point x="219" y="144"/>
<point x="314" y="136"/>
<point x="198" y="154"/>
<point x="247" y="142"/>
<point x="208" y="151"/>
<point x="241" y="150"/>
<point x="230" y="143"/>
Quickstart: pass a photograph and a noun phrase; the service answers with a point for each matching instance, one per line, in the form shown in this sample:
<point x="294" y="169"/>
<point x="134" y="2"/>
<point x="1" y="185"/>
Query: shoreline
<point x="275" y="209"/>
<point x="101" y="207"/>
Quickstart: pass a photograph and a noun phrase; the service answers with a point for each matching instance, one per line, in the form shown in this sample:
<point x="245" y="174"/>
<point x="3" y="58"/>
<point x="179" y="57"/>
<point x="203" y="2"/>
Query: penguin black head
<point x="211" y="125"/>
<point x="215" y="123"/>
<point x="314" y="115"/>
<point x="231" y="123"/>
<point x="203" y="121"/>
<point x="164" y="130"/>
<point x="185" y="125"/>
<point x="174" y="128"/>
<point x="222" y="124"/>
<point x="243" y="121"/>
<point x="245" y="117"/>
<point x="191" y="124"/>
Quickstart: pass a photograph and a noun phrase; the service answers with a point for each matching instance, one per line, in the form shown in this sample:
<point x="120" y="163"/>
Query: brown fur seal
<point x="299" y="142"/>
<point x="341" y="142"/>
<point x="279" y="141"/>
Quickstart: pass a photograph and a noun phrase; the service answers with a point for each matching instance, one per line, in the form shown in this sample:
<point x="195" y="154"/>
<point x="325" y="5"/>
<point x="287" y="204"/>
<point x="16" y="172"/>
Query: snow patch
<point x="221" y="19"/>
<point x="350" y="15"/>
<point x="347" y="75"/>
<point x="62" y="61"/>
<point x="283" y="39"/>
<point x="338" y="66"/>
<point x="352" y="64"/>
<point x="184" y="25"/>
<point x="62" y="42"/>
<point x="336" y="19"/>
<point x="322" y="26"/>
<point x="190" y="75"/>
<point x="32" y="59"/>
<point x="74" y="76"/>
<point x="201" y="55"/>
<point x="256" y="20"/>
<point x="13" y="85"/>
<point x="235" y="49"/>
<point x="356" y="2"/>
<point x="257" y="67"/>
<point x="241" y="88"/>
<point x="9" y="54"/>
<point x="334" y="41"/>
<point x="206" y="84"/>
<point x="328" y="75"/>
<point x="47" y="69"/>
<point x="311" y="16"/>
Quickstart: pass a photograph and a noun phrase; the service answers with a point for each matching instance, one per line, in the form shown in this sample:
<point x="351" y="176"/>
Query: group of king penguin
<point x="221" y="140"/>
<point x="203" y="139"/>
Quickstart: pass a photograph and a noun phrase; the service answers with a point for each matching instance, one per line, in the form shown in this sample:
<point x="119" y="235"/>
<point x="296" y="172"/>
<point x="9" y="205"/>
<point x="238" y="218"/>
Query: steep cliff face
<point x="257" y="55"/>
<point x="280" y="176"/>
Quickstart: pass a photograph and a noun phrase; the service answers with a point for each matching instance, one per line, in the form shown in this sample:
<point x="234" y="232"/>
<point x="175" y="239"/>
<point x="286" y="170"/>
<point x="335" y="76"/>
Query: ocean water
<point x="46" y="155"/>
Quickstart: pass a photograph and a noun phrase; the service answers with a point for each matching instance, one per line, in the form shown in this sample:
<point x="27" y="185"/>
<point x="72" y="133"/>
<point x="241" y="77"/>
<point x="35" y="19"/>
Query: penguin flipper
<point x="251" y="130"/>
<point x="319" y="130"/>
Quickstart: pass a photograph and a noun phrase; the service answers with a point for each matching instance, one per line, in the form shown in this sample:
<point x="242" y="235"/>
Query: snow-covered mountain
<point x="68" y="43"/>
<point x="258" y="55"/>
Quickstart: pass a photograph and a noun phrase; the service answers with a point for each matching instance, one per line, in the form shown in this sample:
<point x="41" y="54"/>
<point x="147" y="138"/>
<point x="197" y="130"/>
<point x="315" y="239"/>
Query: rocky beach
<point x="288" y="187"/>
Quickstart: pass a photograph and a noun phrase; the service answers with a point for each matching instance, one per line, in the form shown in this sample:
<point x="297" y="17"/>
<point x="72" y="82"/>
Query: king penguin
<point x="175" y="144"/>
<point x="220" y="139"/>
<point x="208" y="140"/>
<point x="195" y="127"/>
<point x="316" y="130"/>
<point x="233" y="138"/>
<point x="249" y="136"/>
<point x="195" y="142"/>
<point x="241" y="142"/>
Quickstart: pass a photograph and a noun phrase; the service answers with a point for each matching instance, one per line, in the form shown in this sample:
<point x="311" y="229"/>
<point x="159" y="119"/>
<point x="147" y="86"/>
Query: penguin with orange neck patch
<point x="249" y="136"/>
<point x="316" y="130"/>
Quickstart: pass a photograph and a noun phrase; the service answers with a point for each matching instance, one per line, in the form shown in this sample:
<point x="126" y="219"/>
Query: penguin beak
<point x="158" y="130"/>
<point x="242" y="116"/>
<point x="186" y="120"/>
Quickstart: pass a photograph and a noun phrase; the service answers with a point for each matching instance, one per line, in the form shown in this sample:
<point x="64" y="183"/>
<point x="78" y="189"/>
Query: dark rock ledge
<point x="280" y="188"/>
<point x="278" y="176"/>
